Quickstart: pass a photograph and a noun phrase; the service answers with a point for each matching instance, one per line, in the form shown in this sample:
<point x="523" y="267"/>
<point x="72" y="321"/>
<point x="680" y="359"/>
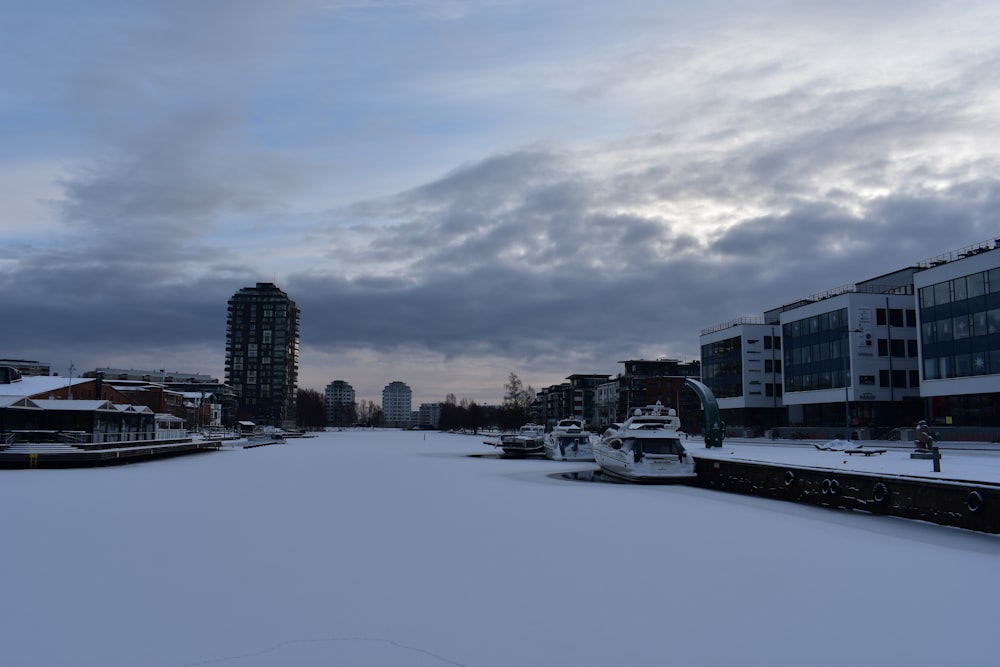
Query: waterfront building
<point x="397" y="399"/>
<point x="741" y="362"/>
<point x="340" y="408"/>
<point x="862" y="360"/>
<point x="262" y="354"/>
<point x="850" y="357"/>
<point x="958" y="298"/>
<point x="644" y="382"/>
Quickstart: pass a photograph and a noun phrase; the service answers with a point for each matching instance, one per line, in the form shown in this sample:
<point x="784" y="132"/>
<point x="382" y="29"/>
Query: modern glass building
<point x="741" y="362"/>
<point x="262" y="354"/>
<point x="959" y="314"/>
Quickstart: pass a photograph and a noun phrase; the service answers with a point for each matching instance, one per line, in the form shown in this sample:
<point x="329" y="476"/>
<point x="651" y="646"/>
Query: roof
<point x="90" y="405"/>
<point x="16" y="402"/>
<point x="39" y="385"/>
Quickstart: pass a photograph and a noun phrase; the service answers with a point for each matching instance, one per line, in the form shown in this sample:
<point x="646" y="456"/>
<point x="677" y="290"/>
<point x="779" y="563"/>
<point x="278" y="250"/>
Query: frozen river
<point x="399" y="548"/>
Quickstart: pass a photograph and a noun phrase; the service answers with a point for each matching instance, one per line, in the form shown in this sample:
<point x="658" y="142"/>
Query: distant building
<point x="25" y="367"/>
<point x="262" y="354"/>
<point x="340" y="409"/>
<point x="575" y="398"/>
<point x="396" y="405"/>
<point x="644" y="382"/>
<point x="429" y="415"/>
<point x="201" y="400"/>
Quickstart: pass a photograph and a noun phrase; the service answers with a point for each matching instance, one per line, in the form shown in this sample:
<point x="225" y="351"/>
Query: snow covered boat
<point x="528" y="441"/>
<point x="645" y="448"/>
<point x="569" y="441"/>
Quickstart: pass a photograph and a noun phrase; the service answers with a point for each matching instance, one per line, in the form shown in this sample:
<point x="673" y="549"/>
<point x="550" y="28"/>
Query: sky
<point x="452" y="191"/>
<point x="371" y="548"/>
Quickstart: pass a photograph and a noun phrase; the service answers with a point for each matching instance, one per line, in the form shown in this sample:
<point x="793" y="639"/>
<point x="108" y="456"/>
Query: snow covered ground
<point x="397" y="548"/>
<point x="970" y="462"/>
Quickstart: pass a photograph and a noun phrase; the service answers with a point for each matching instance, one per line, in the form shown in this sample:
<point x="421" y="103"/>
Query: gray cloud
<point x="711" y="178"/>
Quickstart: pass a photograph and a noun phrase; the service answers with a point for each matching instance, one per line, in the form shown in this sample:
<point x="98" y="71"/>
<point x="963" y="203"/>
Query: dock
<point x="31" y="455"/>
<point x="964" y="493"/>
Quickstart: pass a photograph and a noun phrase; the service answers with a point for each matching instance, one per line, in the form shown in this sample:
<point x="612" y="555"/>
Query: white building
<point x="741" y="362"/>
<point x="850" y="356"/>
<point x="396" y="405"/>
<point x="959" y="314"/>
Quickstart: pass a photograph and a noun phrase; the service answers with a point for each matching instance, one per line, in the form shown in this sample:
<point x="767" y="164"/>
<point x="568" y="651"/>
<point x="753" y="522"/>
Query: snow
<point x="967" y="462"/>
<point x="398" y="548"/>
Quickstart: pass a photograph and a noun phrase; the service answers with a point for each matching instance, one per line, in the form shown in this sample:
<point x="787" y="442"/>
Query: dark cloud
<point x="746" y="179"/>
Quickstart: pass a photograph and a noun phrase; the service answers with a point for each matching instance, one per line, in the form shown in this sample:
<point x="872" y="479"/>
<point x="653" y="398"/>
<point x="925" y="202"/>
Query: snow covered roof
<point x="35" y="385"/>
<point x="16" y="402"/>
<point x="79" y="405"/>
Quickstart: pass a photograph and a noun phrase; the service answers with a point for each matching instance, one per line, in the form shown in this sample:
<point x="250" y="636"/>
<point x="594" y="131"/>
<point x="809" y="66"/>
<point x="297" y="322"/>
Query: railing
<point x="87" y="438"/>
<point x="747" y="319"/>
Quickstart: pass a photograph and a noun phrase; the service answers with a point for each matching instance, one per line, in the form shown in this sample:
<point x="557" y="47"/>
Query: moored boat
<point x="569" y="441"/>
<point x="645" y="448"/>
<point x="528" y="441"/>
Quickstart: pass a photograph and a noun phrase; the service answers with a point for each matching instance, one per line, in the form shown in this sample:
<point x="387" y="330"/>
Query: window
<point x="883" y="378"/>
<point x="942" y="293"/>
<point x="958" y="289"/>
<point x="926" y="297"/>
<point x="914" y="379"/>
<point x="883" y="347"/>
<point x="898" y="347"/>
<point x="899" y="379"/>
<point x="880" y="317"/>
<point x="976" y="284"/>
<point x="911" y="349"/>
<point x="911" y="317"/>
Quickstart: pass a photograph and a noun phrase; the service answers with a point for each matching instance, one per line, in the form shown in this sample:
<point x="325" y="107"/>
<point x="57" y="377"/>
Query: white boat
<point x="569" y="441"/>
<point x="645" y="448"/>
<point x="528" y="441"/>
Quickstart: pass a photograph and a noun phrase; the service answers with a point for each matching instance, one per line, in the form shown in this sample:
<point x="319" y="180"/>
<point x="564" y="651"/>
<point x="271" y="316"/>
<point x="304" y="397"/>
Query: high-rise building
<point x="262" y="354"/>
<point x="340" y="408"/>
<point x="396" y="401"/>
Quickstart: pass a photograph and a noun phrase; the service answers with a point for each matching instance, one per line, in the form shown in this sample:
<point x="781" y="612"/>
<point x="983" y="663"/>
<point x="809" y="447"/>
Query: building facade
<point x="27" y="367"/>
<point x="866" y="359"/>
<point x="741" y="362"/>
<point x="340" y="409"/>
<point x="644" y="382"/>
<point x="397" y="399"/>
<point x="262" y="354"/>
<point x="429" y="415"/>
<point x="958" y="298"/>
<point x="851" y="359"/>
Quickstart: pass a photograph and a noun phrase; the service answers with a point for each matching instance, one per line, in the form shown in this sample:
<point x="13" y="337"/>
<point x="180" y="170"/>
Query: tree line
<point x="456" y="414"/>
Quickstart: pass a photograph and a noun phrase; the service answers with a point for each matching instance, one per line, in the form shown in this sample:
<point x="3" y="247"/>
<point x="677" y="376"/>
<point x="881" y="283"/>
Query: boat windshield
<point x="658" y="446"/>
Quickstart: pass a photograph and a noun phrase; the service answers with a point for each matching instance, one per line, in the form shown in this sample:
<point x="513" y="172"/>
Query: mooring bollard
<point x="937" y="458"/>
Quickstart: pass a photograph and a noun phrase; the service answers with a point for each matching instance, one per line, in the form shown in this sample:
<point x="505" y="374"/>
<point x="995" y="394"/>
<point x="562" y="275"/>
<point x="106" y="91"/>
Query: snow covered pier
<point x="964" y="494"/>
<point x="67" y="455"/>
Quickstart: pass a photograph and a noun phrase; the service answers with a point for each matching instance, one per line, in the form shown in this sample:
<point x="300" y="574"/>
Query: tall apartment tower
<point x="396" y="401"/>
<point x="340" y="410"/>
<point x="262" y="354"/>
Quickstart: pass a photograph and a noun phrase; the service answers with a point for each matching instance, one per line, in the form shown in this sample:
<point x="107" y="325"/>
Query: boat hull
<point x="569" y="448"/>
<point x="621" y="464"/>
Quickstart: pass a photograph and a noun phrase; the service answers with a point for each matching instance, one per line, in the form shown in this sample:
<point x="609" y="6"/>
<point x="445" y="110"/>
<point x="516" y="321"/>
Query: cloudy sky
<point x="455" y="190"/>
